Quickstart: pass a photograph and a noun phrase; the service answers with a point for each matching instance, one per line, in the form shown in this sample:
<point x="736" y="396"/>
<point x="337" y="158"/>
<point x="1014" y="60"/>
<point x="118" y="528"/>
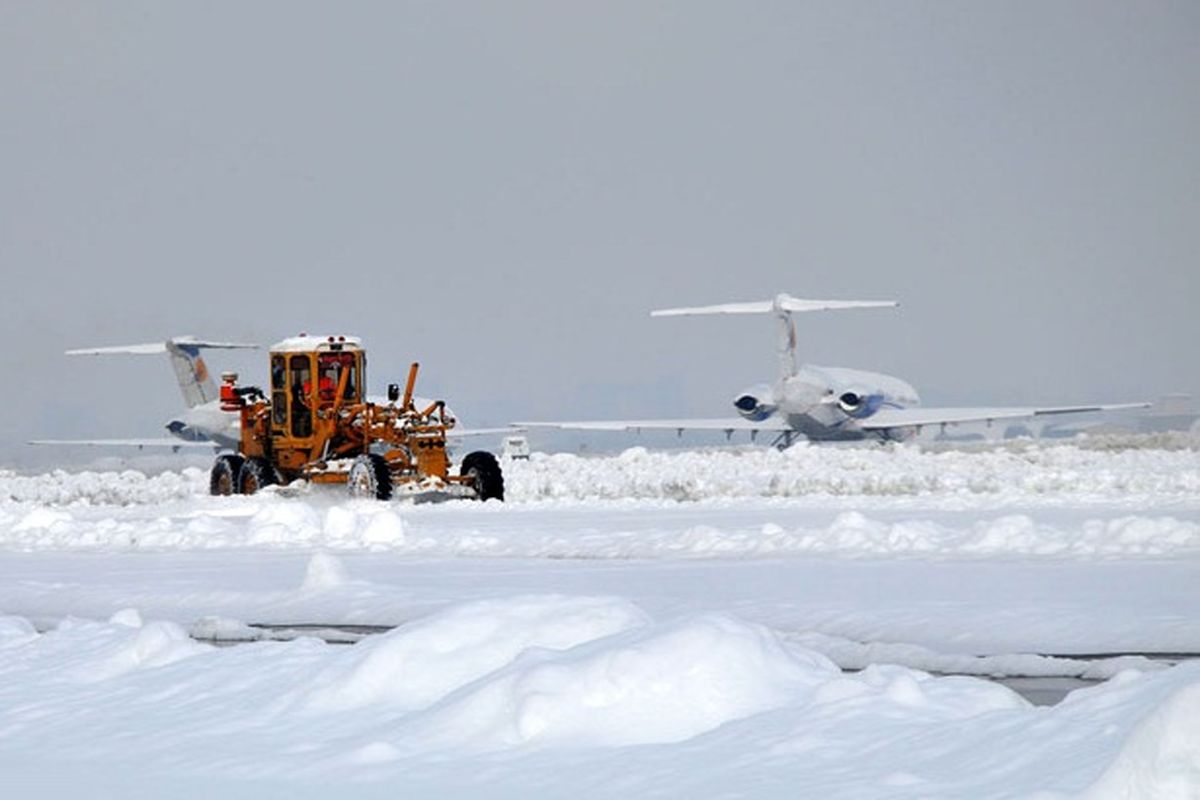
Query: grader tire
<point x="256" y="473"/>
<point x="485" y="475"/>
<point x="223" y="480"/>
<point x="369" y="477"/>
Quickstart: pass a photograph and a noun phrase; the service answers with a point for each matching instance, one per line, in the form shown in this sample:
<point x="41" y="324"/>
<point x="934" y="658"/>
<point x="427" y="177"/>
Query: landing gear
<point x="785" y="440"/>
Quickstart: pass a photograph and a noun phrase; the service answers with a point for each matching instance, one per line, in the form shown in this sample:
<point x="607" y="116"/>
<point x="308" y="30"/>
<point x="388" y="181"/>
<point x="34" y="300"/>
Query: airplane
<point x="203" y="424"/>
<point x="822" y="404"/>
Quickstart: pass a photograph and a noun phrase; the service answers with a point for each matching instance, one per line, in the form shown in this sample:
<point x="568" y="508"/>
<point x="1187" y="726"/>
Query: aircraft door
<point x="299" y="404"/>
<point x="279" y="400"/>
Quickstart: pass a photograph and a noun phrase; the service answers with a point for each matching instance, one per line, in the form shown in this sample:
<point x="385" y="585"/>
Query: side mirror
<point x="393" y="392"/>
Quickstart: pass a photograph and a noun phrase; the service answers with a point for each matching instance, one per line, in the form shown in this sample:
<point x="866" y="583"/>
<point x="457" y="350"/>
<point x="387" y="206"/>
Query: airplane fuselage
<point x="827" y="403"/>
<point x="208" y="423"/>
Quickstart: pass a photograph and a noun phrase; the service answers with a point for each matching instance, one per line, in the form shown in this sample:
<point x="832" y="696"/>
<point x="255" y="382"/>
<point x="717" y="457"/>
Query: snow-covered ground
<point x="649" y="624"/>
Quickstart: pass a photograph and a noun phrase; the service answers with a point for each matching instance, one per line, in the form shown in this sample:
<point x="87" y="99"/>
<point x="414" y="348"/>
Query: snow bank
<point x="419" y="663"/>
<point x="557" y="696"/>
<point x="128" y="510"/>
<point x="1160" y="759"/>
<point x="849" y="654"/>
<point x="808" y="470"/>
<point x="61" y="488"/>
<point x="658" y="684"/>
<point x="641" y="529"/>
<point x="1076" y="470"/>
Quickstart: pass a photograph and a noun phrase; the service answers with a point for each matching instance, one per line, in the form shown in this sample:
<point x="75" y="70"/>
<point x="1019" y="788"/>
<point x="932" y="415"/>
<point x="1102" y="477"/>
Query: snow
<point x="718" y="623"/>
<point x="461" y="645"/>
<point x="595" y="695"/>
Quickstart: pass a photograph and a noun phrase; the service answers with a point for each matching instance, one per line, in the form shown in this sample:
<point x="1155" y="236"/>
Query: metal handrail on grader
<point x="315" y="423"/>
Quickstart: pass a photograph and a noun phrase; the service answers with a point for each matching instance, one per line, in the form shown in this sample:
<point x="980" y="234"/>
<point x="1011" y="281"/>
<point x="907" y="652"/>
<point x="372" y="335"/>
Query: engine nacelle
<point x="850" y="402"/>
<point x="756" y="403"/>
<point x="858" y="404"/>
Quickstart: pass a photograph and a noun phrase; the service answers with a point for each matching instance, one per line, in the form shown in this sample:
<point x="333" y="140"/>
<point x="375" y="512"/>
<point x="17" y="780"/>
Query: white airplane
<point x="822" y="403"/>
<point x="203" y="424"/>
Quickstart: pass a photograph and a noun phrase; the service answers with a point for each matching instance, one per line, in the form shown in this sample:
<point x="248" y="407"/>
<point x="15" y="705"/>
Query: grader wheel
<point x="223" y="480"/>
<point x="485" y="474"/>
<point x="369" y="477"/>
<point x="256" y="473"/>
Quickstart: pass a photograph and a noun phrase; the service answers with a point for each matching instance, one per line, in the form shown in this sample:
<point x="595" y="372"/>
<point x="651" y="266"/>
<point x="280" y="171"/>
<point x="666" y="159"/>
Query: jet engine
<point x="756" y="403"/>
<point x="858" y="404"/>
<point x="850" y="402"/>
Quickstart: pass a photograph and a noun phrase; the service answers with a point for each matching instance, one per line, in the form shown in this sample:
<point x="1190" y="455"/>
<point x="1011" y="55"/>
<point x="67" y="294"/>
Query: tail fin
<point x="195" y="382"/>
<point x="782" y="307"/>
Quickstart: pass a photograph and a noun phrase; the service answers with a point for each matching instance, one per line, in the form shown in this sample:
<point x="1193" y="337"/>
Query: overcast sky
<point x="504" y="190"/>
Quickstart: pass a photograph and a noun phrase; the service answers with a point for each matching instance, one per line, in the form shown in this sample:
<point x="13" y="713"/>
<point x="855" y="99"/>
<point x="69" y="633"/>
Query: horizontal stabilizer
<point x="783" y="302"/>
<point x="154" y="348"/>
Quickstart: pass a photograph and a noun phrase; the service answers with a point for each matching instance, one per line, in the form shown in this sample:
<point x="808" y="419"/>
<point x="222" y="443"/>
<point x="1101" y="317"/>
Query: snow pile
<point x="93" y="652"/>
<point x="739" y="503"/>
<point x="324" y="572"/>
<point x="849" y="534"/>
<point x="642" y="529"/>
<point x="1161" y="756"/>
<point x="61" y="488"/>
<point x="555" y="696"/>
<point x="1028" y="470"/>
<point x="655" y="684"/>
<point x="419" y="663"/>
<point x="807" y="470"/>
<point x="850" y="654"/>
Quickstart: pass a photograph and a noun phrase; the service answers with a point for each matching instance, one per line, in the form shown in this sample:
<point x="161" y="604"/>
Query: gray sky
<point x="503" y="190"/>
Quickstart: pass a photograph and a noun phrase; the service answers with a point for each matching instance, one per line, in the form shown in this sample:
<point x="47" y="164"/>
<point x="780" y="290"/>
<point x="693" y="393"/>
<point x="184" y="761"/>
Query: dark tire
<point x="256" y="473"/>
<point x="369" y="477"/>
<point x="223" y="480"/>
<point x="485" y="475"/>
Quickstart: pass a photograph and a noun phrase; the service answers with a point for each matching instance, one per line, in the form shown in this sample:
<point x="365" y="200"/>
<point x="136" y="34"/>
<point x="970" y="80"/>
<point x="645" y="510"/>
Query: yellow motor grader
<point x="315" y="422"/>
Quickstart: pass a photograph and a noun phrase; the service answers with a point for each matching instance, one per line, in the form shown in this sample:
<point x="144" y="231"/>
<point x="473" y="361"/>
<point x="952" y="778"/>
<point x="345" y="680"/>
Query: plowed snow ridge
<point x="641" y="504"/>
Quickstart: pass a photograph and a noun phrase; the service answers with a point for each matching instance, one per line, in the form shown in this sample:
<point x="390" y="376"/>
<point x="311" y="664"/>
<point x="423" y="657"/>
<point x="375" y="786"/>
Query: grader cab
<point x="315" y="423"/>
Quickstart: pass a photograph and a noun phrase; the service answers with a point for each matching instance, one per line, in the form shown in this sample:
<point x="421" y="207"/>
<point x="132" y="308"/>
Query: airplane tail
<point x="782" y="307"/>
<point x="195" y="382"/>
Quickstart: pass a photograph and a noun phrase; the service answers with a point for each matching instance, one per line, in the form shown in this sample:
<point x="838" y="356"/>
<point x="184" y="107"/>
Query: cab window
<point x="331" y="366"/>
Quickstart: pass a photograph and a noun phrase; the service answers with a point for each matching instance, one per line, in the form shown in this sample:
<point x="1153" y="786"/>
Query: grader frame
<point x="315" y="423"/>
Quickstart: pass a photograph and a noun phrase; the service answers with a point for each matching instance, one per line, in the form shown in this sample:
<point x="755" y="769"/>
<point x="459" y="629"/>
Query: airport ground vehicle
<point x="315" y="422"/>
<point x="515" y="447"/>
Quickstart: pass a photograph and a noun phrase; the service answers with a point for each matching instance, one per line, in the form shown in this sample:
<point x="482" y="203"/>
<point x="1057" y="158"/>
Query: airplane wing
<point x="171" y="442"/>
<point x="462" y="433"/>
<point x="728" y="425"/>
<point x="917" y="417"/>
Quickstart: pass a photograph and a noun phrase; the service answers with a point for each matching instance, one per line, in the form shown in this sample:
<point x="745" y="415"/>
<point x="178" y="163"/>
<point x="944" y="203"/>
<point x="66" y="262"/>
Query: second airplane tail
<point x="195" y="382"/>
<point x="782" y="307"/>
